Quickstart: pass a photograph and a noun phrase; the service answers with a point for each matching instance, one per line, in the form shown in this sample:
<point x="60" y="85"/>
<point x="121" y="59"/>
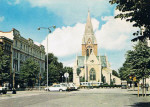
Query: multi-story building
<point x="6" y="45"/>
<point x="24" y="48"/>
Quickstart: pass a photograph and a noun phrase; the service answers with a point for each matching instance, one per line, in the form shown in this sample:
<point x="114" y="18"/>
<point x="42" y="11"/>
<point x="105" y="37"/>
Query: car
<point x="123" y="86"/>
<point x="70" y="86"/>
<point x="47" y="88"/>
<point x="3" y="90"/>
<point x="58" y="87"/>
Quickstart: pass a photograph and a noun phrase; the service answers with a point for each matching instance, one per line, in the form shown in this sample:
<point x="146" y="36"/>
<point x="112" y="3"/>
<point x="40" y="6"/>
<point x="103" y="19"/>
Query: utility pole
<point x="14" y="90"/>
<point x="49" y="30"/>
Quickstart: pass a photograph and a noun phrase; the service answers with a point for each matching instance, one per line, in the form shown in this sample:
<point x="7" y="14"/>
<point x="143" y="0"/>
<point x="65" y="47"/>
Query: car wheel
<point x="60" y="90"/>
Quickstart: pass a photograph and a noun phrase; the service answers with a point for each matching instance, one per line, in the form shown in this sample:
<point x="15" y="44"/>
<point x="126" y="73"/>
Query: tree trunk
<point x="143" y="87"/>
<point x="138" y="89"/>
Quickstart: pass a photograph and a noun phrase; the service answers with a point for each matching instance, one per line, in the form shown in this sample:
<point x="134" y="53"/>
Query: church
<point x="91" y="67"/>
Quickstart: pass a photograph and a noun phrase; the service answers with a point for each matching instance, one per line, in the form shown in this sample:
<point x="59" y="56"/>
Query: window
<point x="114" y="80"/>
<point x="87" y="52"/>
<point x="16" y="43"/>
<point x="58" y="85"/>
<point x="92" y="74"/>
<point x="21" y="46"/>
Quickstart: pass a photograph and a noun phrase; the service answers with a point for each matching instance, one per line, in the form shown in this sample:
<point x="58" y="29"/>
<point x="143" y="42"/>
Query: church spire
<point x="88" y="27"/>
<point x="89" y="42"/>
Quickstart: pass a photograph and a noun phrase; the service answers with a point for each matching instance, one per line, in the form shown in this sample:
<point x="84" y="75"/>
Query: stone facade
<point x="90" y="67"/>
<point x="24" y="48"/>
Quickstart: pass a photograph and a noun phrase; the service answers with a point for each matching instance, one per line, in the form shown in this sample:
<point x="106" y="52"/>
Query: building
<point x="6" y="46"/>
<point x="90" y="67"/>
<point x="22" y="49"/>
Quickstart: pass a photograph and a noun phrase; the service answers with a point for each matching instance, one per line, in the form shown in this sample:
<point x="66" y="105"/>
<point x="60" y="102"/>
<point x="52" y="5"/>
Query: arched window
<point x="114" y="80"/>
<point x="104" y="79"/>
<point x="92" y="74"/>
<point x="87" y="52"/>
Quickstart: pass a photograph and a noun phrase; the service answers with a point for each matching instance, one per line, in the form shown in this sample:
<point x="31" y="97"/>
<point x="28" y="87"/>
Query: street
<point x="83" y="98"/>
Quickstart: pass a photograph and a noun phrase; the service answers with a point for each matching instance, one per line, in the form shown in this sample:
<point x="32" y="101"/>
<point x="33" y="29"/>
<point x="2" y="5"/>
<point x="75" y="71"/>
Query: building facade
<point x="23" y="49"/>
<point x="90" y="67"/>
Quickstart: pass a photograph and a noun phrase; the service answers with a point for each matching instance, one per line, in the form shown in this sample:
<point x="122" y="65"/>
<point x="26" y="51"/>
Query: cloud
<point x="115" y="34"/>
<point x="13" y="2"/>
<point x="67" y="40"/>
<point x="17" y="1"/>
<point x="2" y="18"/>
<point x="72" y="11"/>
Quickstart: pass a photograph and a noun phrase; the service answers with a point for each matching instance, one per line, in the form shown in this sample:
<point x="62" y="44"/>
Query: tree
<point x="70" y="71"/>
<point x="4" y="67"/>
<point x="29" y="72"/>
<point x="137" y="63"/>
<point x="115" y="73"/>
<point x="137" y="11"/>
<point x="55" y="70"/>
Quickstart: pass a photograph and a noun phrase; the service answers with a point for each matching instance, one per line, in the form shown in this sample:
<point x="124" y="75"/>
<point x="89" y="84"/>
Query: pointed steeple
<point x="88" y="27"/>
<point x="89" y="33"/>
<point x="89" y="42"/>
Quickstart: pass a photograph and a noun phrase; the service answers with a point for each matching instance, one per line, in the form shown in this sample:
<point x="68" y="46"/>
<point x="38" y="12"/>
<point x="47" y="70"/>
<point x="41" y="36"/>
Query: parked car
<point x="70" y="86"/>
<point x="3" y="90"/>
<point x="47" y="88"/>
<point x="58" y="87"/>
<point x="123" y="84"/>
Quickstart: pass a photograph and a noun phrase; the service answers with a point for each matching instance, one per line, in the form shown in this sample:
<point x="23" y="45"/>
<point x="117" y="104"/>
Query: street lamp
<point x="14" y="90"/>
<point x="62" y="78"/>
<point x="49" y="31"/>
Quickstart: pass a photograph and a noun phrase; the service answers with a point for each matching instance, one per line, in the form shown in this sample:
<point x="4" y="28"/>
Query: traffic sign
<point x="66" y="75"/>
<point x="134" y="79"/>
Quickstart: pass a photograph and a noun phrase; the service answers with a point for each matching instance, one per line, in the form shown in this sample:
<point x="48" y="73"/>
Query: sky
<point x="69" y="16"/>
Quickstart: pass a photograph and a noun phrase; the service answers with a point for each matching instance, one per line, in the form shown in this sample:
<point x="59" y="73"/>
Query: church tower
<point x="89" y="42"/>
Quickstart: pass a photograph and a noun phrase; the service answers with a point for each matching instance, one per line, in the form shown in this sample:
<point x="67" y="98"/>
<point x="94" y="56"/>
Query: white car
<point x="47" y="88"/>
<point x="70" y="86"/>
<point x="58" y="87"/>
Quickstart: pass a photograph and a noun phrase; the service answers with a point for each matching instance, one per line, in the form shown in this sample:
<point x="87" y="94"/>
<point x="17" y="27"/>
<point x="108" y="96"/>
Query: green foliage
<point x="115" y="73"/>
<point x="4" y="67"/>
<point x="70" y="71"/>
<point x="55" y="70"/>
<point x="137" y="11"/>
<point x="137" y="62"/>
<point x="29" y="72"/>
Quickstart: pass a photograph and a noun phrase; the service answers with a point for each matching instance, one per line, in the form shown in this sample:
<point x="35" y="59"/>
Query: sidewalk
<point x="135" y="91"/>
<point x="21" y="94"/>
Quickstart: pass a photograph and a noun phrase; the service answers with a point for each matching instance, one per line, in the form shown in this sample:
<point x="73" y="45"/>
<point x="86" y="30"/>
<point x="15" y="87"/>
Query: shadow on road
<point x="141" y="104"/>
<point x="140" y="95"/>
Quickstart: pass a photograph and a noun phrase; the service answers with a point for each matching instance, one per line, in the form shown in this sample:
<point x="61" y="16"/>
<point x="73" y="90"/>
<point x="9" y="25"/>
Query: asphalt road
<point x="81" y="98"/>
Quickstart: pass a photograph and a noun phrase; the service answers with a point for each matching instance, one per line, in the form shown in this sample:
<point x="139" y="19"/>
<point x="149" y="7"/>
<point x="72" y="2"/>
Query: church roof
<point x="81" y="59"/>
<point x="89" y="31"/>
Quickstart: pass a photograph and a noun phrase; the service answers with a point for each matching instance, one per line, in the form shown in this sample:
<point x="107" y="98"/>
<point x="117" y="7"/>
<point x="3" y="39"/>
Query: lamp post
<point x="62" y="78"/>
<point x="49" y="31"/>
<point x="14" y="90"/>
